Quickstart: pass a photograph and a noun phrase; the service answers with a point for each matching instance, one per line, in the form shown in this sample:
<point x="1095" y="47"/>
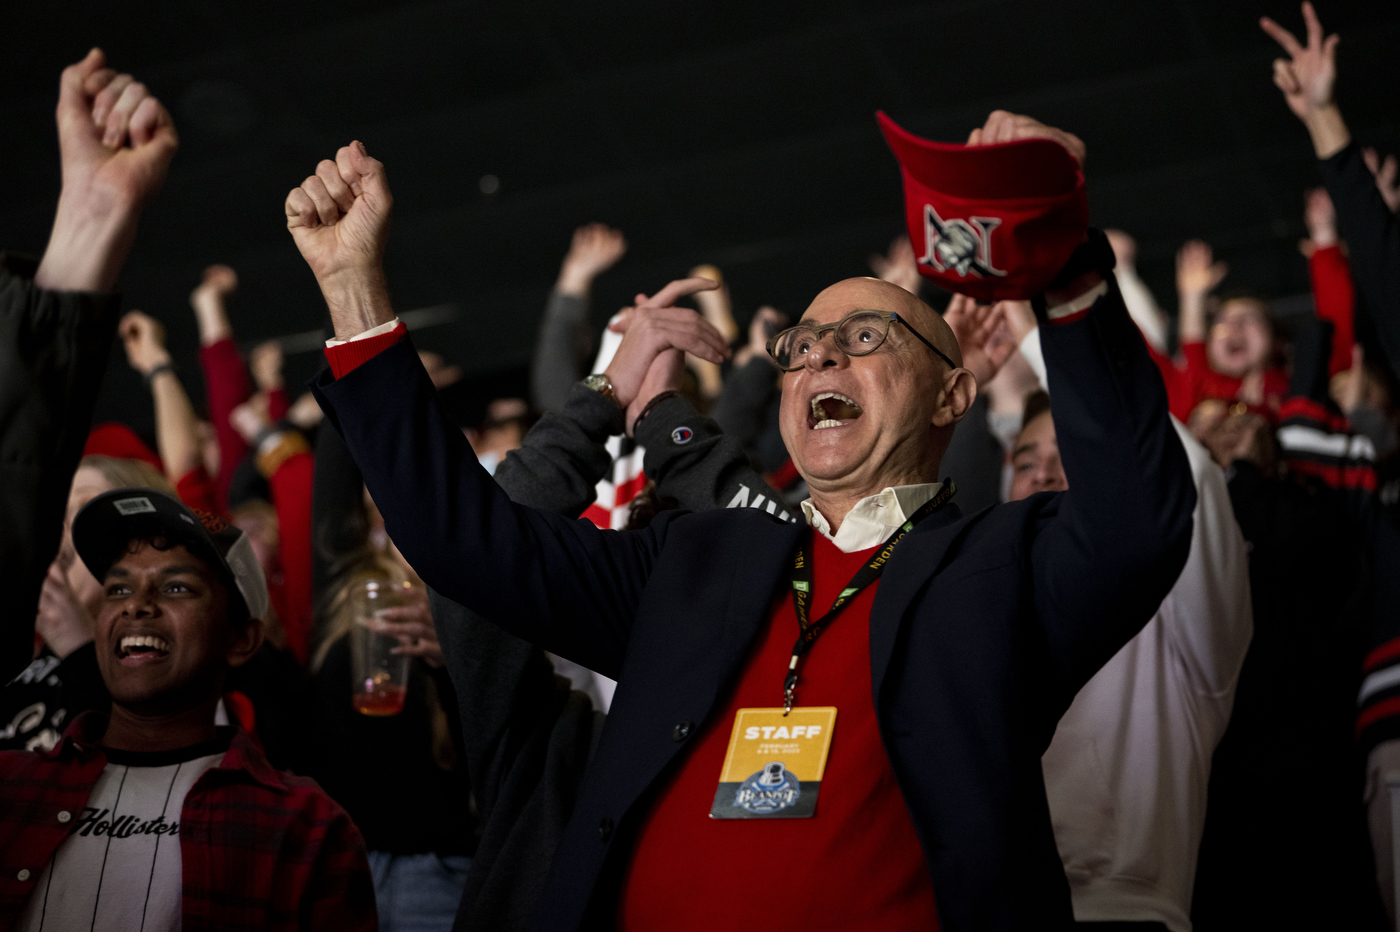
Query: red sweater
<point x="1335" y="300"/>
<point x="1195" y="381"/>
<point x="856" y="864"/>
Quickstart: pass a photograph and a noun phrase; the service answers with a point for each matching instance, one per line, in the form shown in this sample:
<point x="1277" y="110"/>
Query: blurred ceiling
<point x="738" y="133"/>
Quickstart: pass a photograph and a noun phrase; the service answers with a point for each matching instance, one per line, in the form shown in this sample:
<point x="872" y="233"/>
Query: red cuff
<point x="346" y="357"/>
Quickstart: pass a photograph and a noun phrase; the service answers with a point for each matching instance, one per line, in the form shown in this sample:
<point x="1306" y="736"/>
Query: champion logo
<point x="682" y="435"/>
<point x="961" y="246"/>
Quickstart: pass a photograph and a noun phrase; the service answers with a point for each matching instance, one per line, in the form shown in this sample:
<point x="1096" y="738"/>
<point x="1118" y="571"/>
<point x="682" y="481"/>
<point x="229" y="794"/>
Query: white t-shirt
<point x="119" y="868"/>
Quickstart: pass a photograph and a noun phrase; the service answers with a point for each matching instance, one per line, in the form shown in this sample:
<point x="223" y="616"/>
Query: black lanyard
<point x="809" y="631"/>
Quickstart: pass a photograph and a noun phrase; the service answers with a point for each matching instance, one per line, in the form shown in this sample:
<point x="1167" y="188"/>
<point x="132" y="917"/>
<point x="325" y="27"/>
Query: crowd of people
<point x="1045" y="608"/>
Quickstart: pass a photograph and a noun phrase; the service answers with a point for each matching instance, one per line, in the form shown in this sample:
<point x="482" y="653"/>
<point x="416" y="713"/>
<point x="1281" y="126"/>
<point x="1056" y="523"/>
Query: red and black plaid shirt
<point x="260" y="849"/>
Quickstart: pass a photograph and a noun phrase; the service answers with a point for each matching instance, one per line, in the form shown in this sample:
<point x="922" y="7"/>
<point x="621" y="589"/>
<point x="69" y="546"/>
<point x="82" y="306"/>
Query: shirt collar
<point x="874" y="518"/>
<point x="82" y="736"/>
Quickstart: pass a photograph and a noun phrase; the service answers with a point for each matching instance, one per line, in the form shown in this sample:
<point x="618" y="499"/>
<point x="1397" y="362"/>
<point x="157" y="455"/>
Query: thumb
<point x="74" y="104"/>
<point x="368" y="175"/>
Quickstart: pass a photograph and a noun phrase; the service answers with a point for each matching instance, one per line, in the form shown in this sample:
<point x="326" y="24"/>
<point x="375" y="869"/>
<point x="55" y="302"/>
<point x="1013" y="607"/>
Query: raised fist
<point x="143" y="338"/>
<point x="339" y="217"/>
<point x="115" y="140"/>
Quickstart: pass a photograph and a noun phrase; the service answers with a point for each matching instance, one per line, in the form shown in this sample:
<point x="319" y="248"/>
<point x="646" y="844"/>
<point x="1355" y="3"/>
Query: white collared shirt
<point x="874" y="518"/>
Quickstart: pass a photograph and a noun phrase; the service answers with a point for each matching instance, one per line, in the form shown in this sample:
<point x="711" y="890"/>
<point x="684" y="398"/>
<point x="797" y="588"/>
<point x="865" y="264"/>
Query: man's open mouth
<point x="832" y="409"/>
<point x="142" y="648"/>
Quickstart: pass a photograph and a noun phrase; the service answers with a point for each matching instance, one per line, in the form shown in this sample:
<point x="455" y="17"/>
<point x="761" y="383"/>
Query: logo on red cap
<point x="960" y="246"/>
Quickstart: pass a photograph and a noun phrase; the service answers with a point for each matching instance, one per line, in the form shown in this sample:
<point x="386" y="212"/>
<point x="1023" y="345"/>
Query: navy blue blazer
<point x="982" y="631"/>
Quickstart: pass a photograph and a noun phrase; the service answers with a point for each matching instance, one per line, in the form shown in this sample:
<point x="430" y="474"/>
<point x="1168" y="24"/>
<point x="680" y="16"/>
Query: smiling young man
<point x="884" y="774"/>
<point x="154" y="818"/>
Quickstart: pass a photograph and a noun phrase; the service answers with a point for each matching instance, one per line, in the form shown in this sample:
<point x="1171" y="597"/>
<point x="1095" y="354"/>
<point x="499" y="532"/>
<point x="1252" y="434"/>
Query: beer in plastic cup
<point x="380" y="676"/>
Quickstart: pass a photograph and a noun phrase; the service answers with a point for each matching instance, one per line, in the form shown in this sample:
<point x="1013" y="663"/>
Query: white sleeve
<point x="385" y="327"/>
<point x="1030" y="348"/>
<point x="1142" y="307"/>
<point x="1208" y="616"/>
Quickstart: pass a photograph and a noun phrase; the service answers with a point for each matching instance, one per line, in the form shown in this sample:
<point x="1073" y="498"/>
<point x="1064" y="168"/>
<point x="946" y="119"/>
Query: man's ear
<point x="245" y="643"/>
<point x="958" y="394"/>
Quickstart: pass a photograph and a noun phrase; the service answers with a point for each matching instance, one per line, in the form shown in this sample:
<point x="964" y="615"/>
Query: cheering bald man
<point x="836" y="724"/>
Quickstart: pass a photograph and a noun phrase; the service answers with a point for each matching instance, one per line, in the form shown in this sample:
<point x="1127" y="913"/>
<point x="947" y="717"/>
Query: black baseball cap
<point x="105" y="525"/>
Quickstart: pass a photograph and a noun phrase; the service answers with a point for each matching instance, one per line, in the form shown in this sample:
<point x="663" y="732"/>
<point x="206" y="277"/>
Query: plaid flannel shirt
<point x="260" y="849"/>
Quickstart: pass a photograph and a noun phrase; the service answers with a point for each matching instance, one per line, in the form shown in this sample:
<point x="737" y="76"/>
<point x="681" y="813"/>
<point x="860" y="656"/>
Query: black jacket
<point x="983" y="629"/>
<point x="53" y="353"/>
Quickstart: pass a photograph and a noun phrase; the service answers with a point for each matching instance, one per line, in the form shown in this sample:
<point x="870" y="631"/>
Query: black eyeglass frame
<point x="890" y="317"/>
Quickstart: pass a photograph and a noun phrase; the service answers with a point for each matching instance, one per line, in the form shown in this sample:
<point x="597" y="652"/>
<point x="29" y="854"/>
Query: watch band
<point x="651" y="406"/>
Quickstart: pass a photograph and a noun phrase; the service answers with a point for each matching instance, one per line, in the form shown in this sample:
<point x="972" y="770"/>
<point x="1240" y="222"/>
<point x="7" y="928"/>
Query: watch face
<point x="599" y="383"/>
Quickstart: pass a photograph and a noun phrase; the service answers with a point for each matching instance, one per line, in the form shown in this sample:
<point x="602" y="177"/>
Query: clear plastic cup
<point x="380" y="677"/>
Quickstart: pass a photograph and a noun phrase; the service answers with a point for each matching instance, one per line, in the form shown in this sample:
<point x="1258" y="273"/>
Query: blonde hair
<point x="340" y="616"/>
<point x="125" y="473"/>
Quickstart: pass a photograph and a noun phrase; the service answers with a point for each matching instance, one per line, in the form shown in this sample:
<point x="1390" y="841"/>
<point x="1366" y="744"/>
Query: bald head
<point x="878" y="295"/>
<point x="855" y="425"/>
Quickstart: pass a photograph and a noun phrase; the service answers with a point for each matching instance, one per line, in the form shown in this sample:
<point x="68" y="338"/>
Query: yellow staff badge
<point x="775" y="764"/>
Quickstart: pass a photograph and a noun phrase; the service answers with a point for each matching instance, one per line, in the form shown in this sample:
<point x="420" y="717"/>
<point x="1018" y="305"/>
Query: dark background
<point x="739" y="133"/>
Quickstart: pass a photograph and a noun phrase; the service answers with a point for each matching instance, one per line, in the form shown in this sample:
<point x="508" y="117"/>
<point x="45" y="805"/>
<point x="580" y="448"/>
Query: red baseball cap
<point x="118" y="440"/>
<point x="994" y="222"/>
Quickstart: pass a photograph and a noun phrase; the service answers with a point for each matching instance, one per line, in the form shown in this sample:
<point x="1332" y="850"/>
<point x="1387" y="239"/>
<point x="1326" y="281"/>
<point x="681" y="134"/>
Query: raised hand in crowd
<point x="251" y="417"/>
<point x="1320" y="218"/>
<point x="1387" y="176"/>
<point x="143" y="338"/>
<point x="898" y="266"/>
<point x="595" y="248"/>
<point x="719" y="311"/>
<point x="339" y="219"/>
<point x="177" y="427"/>
<point x="412" y="624"/>
<point x="115" y="143"/>
<point x="1197" y="275"/>
<point x="63" y="622"/>
<point x="1306" y="78"/>
<point x="985" y="338"/>
<point x="305" y="412"/>
<point x="766" y="323"/>
<point x="650" y="358"/>
<point x="1124" y="247"/>
<point x="265" y="362"/>
<point x="208" y="300"/>
<point x="1003" y="126"/>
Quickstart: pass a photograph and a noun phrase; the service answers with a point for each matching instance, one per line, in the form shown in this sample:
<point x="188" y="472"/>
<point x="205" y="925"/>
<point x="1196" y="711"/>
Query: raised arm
<point x="565" y="585"/>
<point x="1307" y="78"/>
<point x="1123" y="530"/>
<point x="177" y="437"/>
<point x="563" y="338"/>
<point x="57" y="322"/>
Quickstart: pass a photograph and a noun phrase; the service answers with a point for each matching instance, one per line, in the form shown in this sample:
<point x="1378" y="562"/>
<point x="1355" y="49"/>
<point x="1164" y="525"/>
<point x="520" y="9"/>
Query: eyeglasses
<point x="859" y="333"/>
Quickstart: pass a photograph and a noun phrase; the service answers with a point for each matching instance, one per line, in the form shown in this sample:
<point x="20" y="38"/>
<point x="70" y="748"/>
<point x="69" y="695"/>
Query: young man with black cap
<point x="154" y="818"/>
